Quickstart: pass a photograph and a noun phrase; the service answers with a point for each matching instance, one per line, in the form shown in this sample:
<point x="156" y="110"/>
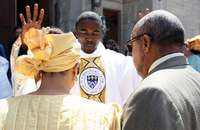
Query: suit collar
<point x="169" y="63"/>
<point x="163" y="59"/>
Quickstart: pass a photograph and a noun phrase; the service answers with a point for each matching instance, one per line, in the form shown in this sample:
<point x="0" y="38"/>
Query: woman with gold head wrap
<point x="192" y="51"/>
<point x="54" y="58"/>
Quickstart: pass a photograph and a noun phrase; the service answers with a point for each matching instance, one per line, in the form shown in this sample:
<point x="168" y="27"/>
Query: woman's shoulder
<point x="71" y="108"/>
<point x="64" y="102"/>
<point x="90" y="106"/>
<point x="98" y="114"/>
<point x="73" y="100"/>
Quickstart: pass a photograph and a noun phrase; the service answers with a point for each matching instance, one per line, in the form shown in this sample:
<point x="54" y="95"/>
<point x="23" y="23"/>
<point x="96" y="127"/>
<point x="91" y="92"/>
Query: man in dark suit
<point x="168" y="98"/>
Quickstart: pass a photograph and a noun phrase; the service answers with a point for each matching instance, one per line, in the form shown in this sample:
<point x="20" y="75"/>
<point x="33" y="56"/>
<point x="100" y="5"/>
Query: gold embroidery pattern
<point x="88" y="63"/>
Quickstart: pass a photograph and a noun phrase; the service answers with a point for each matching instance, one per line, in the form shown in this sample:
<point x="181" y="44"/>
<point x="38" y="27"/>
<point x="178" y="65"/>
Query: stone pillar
<point x="131" y="8"/>
<point x="69" y="11"/>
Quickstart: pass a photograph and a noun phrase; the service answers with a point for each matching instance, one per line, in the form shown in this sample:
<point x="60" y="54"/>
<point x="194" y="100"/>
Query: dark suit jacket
<point x="167" y="99"/>
<point x="2" y="51"/>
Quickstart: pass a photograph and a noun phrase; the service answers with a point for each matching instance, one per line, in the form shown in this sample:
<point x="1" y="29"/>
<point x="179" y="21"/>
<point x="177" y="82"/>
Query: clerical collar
<point x="98" y="52"/>
<point x="163" y="59"/>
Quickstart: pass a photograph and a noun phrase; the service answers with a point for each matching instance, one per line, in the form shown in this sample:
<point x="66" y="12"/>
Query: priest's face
<point x="89" y="34"/>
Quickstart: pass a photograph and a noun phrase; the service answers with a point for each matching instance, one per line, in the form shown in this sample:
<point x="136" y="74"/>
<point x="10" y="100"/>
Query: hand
<point x="34" y="22"/>
<point x="142" y="14"/>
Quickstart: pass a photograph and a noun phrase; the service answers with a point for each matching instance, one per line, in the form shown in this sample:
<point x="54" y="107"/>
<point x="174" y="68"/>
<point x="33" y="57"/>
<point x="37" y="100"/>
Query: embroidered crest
<point x="92" y="81"/>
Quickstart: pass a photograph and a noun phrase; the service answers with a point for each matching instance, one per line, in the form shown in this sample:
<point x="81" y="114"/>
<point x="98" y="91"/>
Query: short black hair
<point x="163" y="27"/>
<point x="89" y="15"/>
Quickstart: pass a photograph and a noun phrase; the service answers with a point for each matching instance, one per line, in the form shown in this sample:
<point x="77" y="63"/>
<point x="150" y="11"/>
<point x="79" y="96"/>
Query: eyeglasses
<point x="130" y="41"/>
<point x="134" y="38"/>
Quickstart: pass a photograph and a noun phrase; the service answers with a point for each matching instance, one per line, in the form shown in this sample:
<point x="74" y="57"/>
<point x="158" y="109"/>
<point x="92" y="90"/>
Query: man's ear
<point x="146" y="43"/>
<point x="75" y="31"/>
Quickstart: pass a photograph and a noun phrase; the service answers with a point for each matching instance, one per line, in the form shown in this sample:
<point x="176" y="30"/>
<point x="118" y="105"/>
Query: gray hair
<point x="163" y="27"/>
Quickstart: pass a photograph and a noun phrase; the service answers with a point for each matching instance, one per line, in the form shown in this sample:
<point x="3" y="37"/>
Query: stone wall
<point x="187" y="11"/>
<point x="69" y="11"/>
<point x="130" y="10"/>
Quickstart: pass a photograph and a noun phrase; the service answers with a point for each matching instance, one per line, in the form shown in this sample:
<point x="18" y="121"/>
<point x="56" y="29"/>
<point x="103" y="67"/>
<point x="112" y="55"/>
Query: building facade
<point x="186" y="10"/>
<point x="121" y="15"/>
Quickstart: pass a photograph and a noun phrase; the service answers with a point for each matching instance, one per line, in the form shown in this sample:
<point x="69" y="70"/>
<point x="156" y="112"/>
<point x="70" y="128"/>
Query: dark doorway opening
<point x="112" y="24"/>
<point x="21" y="4"/>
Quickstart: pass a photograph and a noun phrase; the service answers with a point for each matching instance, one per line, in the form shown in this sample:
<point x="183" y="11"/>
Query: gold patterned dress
<point x="57" y="112"/>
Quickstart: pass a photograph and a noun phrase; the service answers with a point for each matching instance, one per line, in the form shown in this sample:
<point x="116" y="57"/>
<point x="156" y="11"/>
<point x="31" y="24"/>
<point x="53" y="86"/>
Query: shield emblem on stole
<point x="92" y="81"/>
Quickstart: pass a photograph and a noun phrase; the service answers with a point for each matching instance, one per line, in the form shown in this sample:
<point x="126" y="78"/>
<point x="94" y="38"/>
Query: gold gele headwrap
<point x="194" y="43"/>
<point x="48" y="53"/>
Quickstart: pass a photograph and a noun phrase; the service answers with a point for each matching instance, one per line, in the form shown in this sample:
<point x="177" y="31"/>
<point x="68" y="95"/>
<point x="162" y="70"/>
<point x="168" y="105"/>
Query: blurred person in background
<point x="192" y="51"/>
<point x="112" y="45"/>
<point x="5" y="87"/>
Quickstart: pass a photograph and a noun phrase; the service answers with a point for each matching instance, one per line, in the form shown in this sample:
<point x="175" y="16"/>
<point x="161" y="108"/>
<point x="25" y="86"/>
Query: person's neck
<point x="57" y="90"/>
<point x="53" y="86"/>
<point x="97" y="52"/>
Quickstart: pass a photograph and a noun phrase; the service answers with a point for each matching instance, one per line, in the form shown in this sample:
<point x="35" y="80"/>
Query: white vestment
<point x="121" y="76"/>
